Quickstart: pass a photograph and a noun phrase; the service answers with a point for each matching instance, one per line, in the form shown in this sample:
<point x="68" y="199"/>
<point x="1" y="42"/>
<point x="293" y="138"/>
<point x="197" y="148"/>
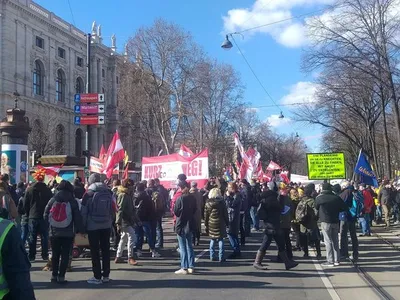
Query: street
<point x="155" y="278"/>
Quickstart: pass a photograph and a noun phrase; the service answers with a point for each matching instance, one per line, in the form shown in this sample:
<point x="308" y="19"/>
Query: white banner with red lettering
<point x="168" y="167"/>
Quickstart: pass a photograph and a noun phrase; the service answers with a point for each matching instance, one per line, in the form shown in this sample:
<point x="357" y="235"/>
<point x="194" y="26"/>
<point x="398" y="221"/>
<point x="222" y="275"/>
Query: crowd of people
<point x="133" y="214"/>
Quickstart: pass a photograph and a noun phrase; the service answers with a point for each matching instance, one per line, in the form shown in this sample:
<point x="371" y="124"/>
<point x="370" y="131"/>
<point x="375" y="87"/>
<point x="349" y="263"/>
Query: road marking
<point x="198" y="256"/>
<point x="325" y="280"/>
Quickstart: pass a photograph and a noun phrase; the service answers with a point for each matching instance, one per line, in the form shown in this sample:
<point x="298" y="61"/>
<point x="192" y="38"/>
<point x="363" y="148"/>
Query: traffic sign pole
<point x="88" y="90"/>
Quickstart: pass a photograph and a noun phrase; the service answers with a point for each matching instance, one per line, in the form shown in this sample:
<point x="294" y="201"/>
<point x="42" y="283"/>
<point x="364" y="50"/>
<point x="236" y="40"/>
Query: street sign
<point x="89" y="109"/>
<point x="89" y="98"/>
<point x="89" y="120"/>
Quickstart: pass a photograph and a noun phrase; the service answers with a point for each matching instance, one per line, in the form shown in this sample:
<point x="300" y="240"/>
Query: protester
<point x="294" y="196"/>
<point x="255" y="191"/>
<point x="158" y="201"/>
<point x="185" y="210"/>
<point x="199" y="203"/>
<point x="364" y="219"/>
<point x="8" y="209"/>
<point x="116" y="236"/>
<point x="36" y="198"/>
<point x="62" y="213"/>
<point x="163" y="193"/>
<point x="385" y="198"/>
<point x="286" y="219"/>
<point x="329" y="206"/>
<point x="247" y="198"/>
<point x="79" y="189"/>
<point x="270" y="212"/>
<point x="126" y="221"/>
<point x="216" y="220"/>
<point x="97" y="212"/>
<point x="233" y="200"/>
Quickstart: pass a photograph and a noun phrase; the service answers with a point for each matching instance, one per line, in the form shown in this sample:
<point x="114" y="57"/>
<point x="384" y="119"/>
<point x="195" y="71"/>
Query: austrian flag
<point x="115" y="154"/>
<point x="51" y="171"/>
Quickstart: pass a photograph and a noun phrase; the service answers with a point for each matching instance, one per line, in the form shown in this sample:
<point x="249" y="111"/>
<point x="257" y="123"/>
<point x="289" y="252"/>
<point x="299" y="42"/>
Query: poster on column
<point x="168" y="167"/>
<point x="9" y="164"/>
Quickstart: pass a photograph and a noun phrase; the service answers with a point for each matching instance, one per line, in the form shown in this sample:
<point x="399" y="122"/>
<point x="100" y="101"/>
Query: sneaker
<point x="319" y="256"/>
<point x="132" y="262"/>
<point x="32" y="259"/>
<point x="190" y="270"/>
<point x="213" y="259"/>
<point x="61" y="280"/>
<point x="327" y="264"/>
<point x="93" y="280"/>
<point x="53" y="279"/>
<point x="106" y="279"/>
<point x="336" y="264"/>
<point x="119" y="260"/>
<point x="396" y="223"/>
<point x="155" y="254"/>
<point x="181" y="272"/>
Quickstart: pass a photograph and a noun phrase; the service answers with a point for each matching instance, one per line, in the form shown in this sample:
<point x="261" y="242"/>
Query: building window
<point x="79" y="61"/>
<point x="117" y="80"/>
<point x="38" y="79"/>
<point x="79" y="86"/>
<point x="39" y="42"/>
<point x="60" y="139"/>
<point x="60" y="86"/>
<point x="61" y="52"/>
<point x="103" y="73"/>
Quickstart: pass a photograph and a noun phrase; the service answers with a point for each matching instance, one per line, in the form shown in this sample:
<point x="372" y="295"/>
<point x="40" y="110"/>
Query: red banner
<point x="168" y="167"/>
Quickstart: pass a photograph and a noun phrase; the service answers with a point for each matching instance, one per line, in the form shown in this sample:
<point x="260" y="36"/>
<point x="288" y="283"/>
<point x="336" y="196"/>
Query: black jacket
<point x="16" y="267"/>
<point x="271" y="204"/>
<point x="36" y="199"/>
<point x="184" y="210"/>
<point x="79" y="191"/>
<point x="76" y="225"/>
<point x="144" y="206"/>
<point x="329" y="206"/>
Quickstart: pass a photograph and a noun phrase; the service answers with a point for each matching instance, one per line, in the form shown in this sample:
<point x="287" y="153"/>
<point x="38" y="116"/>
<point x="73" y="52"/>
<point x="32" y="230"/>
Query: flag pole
<point x="354" y="173"/>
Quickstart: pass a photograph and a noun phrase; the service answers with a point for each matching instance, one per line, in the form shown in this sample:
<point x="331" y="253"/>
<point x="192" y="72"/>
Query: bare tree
<point x="42" y="137"/>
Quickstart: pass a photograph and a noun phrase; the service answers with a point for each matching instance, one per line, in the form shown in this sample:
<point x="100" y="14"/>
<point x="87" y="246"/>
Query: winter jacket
<point x="385" y="196"/>
<point x="216" y="218"/>
<point x="126" y="215"/>
<point x="313" y="222"/>
<point x="247" y="198"/>
<point x="36" y="199"/>
<point x="286" y="219"/>
<point x="329" y="206"/>
<point x="76" y="224"/>
<point x="21" y="211"/>
<point x="347" y="196"/>
<point x="233" y="204"/>
<point x="185" y="210"/>
<point x="7" y="202"/>
<point x="273" y="208"/>
<point x="79" y="191"/>
<point x="86" y="207"/>
<point x="175" y="197"/>
<point x="368" y="201"/>
<point x="144" y="207"/>
<point x="199" y="204"/>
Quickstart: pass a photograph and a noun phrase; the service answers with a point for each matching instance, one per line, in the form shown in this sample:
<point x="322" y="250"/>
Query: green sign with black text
<point x="323" y="166"/>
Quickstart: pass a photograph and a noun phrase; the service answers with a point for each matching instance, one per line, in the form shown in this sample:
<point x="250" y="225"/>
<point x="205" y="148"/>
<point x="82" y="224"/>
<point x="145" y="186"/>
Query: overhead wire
<point x="72" y="14"/>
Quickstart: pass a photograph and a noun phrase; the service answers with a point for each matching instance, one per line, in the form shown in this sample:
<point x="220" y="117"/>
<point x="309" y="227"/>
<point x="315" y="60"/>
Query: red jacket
<point x="368" y="201"/>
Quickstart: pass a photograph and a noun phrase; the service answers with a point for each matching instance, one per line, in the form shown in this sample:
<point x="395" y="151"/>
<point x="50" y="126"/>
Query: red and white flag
<point x="250" y="160"/>
<point x="51" y="171"/>
<point x="103" y="153"/>
<point x="115" y="154"/>
<point x="273" y="166"/>
<point x="185" y="151"/>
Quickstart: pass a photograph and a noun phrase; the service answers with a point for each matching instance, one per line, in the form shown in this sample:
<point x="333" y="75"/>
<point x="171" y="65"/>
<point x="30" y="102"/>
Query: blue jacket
<point x="347" y="197"/>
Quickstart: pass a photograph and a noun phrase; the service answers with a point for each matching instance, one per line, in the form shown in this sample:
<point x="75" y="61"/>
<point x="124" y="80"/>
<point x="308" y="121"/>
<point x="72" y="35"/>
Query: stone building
<point x="43" y="59"/>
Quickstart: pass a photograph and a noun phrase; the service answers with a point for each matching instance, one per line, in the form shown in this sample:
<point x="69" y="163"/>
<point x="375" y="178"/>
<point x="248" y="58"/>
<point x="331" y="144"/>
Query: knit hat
<point x="39" y="175"/>
<point x="182" y="177"/>
<point x="308" y="190"/>
<point x="94" y="178"/>
<point x="327" y="187"/>
<point x="336" y="188"/>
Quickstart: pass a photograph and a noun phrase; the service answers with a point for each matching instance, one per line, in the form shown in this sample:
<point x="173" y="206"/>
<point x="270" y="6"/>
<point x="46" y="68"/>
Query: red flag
<point x="185" y="151"/>
<point x="126" y="174"/>
<point x="273" y="166"/>
<point x="285" y="177"/>
<point x="115" y="154"/>
<point x="102" y="153"/>
<point x="51" y="171"/>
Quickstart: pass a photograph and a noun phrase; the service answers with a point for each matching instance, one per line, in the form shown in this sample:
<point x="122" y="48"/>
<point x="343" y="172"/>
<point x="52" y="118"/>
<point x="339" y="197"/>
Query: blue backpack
<point x="357" y="207"/>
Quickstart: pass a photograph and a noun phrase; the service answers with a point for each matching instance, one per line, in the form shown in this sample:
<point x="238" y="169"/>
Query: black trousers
<point x="61" y="247"/>
<point x="277" y="237"/>
<point x="117" y="235"/>
<point x="100" y="240"/>
<point x="296" y="230"/>
<point x="242" y="230"/>
<point x="288" y="243"/>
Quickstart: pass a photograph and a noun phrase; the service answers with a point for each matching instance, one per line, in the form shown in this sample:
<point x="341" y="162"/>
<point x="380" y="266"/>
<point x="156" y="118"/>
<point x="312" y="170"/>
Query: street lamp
<point x="281" y="116"/>
<point x="227" y="44"/>
<point x="297" y="135"/>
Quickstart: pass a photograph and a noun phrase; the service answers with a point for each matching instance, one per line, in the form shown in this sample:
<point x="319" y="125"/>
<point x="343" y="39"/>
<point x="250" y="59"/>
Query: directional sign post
<point x="89" y="98"/>
<point x="89" y="120"/>
<point x="89" y="109"/>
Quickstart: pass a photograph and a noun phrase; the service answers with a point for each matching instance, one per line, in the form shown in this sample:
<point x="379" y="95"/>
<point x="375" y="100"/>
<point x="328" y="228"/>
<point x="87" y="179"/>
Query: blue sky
<point x="274" y="51"/>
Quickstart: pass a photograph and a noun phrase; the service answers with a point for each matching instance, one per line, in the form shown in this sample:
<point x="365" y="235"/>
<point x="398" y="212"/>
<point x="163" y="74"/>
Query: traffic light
<point x="36" y="159"/>
<point x="86" y="153"/>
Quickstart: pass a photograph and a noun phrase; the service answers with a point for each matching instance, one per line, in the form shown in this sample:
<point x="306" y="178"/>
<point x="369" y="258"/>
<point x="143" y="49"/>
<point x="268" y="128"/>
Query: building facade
<point x="43" y="59"/>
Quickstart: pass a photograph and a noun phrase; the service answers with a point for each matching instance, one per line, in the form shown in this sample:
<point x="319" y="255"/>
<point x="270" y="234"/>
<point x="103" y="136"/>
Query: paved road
<point x="155" y="278"/>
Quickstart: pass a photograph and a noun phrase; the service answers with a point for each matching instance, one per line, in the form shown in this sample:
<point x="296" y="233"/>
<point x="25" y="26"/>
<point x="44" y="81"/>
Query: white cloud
<point x="290" y="33"/>
<point x="275" y="121"/>
<point x="301" y="92"/>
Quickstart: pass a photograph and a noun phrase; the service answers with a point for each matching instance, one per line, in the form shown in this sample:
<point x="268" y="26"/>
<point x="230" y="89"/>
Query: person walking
<point x="233" y="200"/>
<point x="98" y="209"/>
<point x="385" y="198"/>
<point x="63" y="215"/>
<point x="216" y="220"/>
<point x="160" y="211"/>
<point x="185" y="210"/>
<point x="270" y="211"/>
<point x="294" y="196"/>
<point x="365" y="217"/>
<point x="36" y="198"/>
<point x="329" y="206"/>
<point x="286" y="219"/>
<point x="126" y="221"/>
<point x="199" y="203"/>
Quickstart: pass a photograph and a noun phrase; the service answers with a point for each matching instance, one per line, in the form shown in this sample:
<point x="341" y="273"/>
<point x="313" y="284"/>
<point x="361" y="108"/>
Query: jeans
<point x="378" y="213"/>
<point x="242" y="229"/>
<point x="254" y="218"/>
<point x="350" y="226"/>
<point x="364" y="223"/>
<point x="330" y="232"/>
<point x="288" y="243"/>
<point x="396" y="212"/>
<point x="100" y="240"/>
<point x="279" y="240"/>
<point x="159" y="233"/>
<point x="117" y="236"/>
<point x="220" y="246"/>
<point x="61" y="247"/>
<point x="140" y="231"/>
<point x="127" y="235"/>
<point x="234" y="241"/>
<point x="38" y="226"/>
<point x="24" y="233"/>
<point x="186" y="251"/>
